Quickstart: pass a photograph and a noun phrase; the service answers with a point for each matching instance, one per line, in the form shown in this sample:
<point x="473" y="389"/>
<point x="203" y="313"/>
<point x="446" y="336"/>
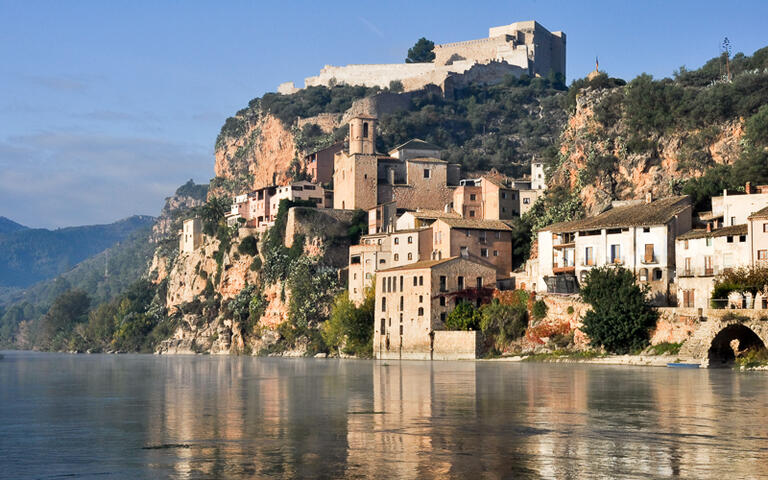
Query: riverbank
<point x="630" y="360"/>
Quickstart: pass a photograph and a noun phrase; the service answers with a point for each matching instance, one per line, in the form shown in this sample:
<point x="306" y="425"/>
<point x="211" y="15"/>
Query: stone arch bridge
<point x="716" y="336"/>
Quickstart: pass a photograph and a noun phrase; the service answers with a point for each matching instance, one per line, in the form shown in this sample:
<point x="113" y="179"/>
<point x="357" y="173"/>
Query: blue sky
<point x="106" y="106"/>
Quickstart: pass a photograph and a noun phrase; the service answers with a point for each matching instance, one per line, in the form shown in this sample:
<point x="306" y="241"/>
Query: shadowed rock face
<point x="660" y="170"/>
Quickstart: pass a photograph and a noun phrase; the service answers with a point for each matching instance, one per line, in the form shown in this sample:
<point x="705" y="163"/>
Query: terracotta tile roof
<point x="419" y="265"/>
<point x="475" y="224"/>
<point x="658" y="212"/>
<point x="720" y="232"/>
<point x="416" y="144"/>
<point x="410" y="230"/>
<point x="425" y="160"/>
<point x="434" y="214"/>
<point x="762" y="213"/>
<point x="432" y="263"/>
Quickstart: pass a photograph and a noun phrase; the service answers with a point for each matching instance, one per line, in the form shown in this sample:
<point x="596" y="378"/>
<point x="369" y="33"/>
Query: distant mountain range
<point x="9" y="226"/>
<point x="29" y="255"/>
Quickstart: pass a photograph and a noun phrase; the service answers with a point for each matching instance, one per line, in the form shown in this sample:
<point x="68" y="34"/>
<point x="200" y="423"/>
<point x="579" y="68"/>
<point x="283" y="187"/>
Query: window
<point x="484" y="252"/>
<point x="382" y="329"/>
<point x="389" y="284"/>
<point x="426" y="173"/>
<point x="401" y="327"/>
<point x="646" y="229"/>
<point x="742" y="238"/>
<point x="382" y="261"/>
<point x="472" y="197"/>
<point x="421" y="311"/>
<point x="471" y="213"/>
<point x="708" y="270"/>
<point x="495" y="253"/>
<point x="468" y="233"/>
<point x="397" y="241"/>
<point x="415" y="281"/>
<point x="497" y="235"/>
<point x="526" y="201"/>
<point x="365" y="129"/>
<point x="354" y="277"/>
<point x="656" y="274"/>
<point x="383" y="304"/>
<point x="442" y="317"/>
<point x="401" y="283"/>
<point x="421" y="280"/>
<point x="730" y="239"/>
<point x="503" y="194"/>
<point x="648" y="253"/>
<point x="479" y="282"/>
<point x="397" y="256"/>
<point x="460" y="282"/>
<point x="410" y="239"/>
<point x="443" y="283"/>
<point x="589" y="256"/>
<point x="762" y="254"/>
<point x="643" y="275"/>
<point x="410" y="256"/>
<point x="709" y="241"/>
<point x="687" y="266"/>
<point x="688" y="298"/>
<point x="733" y="221"/>
<point x="402" y="303"/>
<point x="615" y="253"/>
<point x="421" y="298"/>
<point x="367" y="276"/>
<point x="442" y="301"/>
<point x="765" y="228"/>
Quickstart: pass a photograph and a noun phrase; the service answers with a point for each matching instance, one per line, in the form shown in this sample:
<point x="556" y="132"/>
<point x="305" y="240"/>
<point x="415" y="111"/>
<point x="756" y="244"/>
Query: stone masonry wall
<point x="455" y="345"/>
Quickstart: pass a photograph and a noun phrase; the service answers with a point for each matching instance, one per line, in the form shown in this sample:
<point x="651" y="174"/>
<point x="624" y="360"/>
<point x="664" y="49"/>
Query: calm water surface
<point x="99" y="416"/>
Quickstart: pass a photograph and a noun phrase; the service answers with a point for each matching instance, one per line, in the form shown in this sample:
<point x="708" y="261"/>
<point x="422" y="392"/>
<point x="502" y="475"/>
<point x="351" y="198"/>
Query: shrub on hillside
<point x="621" y="317"/>
<point x="464" y="317"/>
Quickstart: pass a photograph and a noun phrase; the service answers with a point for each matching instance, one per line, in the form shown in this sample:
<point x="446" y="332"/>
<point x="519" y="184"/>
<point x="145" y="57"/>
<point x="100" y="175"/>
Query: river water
<point x="134" y="416"/>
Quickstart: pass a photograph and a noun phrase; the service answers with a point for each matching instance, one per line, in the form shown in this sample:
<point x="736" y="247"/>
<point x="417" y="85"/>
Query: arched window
<point x="643" y="275"/>
<point x="410" y="256"/>
<point x="421" y="298"/>
<point x="397" y="241"/>
<point x="410" y="239"/>
<point x="657" y="274"/>
<point x="397" y="256"/>
<point x="421" y="311"/>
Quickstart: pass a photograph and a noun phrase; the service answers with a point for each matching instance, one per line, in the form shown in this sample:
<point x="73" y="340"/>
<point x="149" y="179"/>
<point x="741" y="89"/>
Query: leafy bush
<point x="312" y="287"/>
<point x="350" y="328"/>
<point x="539" y="310"/>
<point x="248" y="246"/>
<point x="464" y="317"/>
<point x="503" y="323"/>
<point x="621" y="317"/>
<point x="666" y="348"/>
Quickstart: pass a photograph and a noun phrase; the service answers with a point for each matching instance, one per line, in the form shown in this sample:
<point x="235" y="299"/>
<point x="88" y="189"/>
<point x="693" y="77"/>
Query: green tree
<point x="212" y="214"/>
<point x="464" y="317"/>
<point x="69" y="309"/>
<point x="421" y="52"/>
<point x="503" y="322"/>
<point x="350" y="328"/>
<point x="621" y="317"/>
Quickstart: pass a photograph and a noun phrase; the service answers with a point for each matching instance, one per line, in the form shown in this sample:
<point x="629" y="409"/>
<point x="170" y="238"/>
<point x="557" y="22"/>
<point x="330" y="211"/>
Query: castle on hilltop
<point x="522" y="48"/>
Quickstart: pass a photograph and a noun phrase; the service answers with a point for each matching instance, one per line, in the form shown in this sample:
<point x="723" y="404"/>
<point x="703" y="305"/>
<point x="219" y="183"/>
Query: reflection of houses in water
<point x="405" y="436"/>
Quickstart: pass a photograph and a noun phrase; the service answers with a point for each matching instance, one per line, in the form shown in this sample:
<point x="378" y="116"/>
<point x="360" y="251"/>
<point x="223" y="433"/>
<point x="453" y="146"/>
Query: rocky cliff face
<point x="261" y="152"/>
<point x="600" y="162"/>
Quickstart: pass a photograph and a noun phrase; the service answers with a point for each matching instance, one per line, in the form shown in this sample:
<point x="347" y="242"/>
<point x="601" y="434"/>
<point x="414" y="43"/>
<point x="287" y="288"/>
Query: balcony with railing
<point x="700" y="271"/>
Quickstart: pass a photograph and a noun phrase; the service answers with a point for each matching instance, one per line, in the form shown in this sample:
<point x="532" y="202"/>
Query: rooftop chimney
<point x="748" y="188"/>
<point x="648" y="197"/>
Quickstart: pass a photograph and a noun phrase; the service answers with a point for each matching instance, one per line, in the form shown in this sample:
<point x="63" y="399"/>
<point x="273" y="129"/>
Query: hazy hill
<point x="28" y="256"/>
<point x="9" y="226"/>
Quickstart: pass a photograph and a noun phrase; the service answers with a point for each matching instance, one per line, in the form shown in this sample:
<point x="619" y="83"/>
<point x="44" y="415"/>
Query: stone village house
<point x="412" y="304"/>
<point x="638" y="235"/>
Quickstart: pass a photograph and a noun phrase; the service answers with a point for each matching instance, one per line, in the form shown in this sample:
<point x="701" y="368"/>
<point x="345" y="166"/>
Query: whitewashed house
<point x="638" y="235"/>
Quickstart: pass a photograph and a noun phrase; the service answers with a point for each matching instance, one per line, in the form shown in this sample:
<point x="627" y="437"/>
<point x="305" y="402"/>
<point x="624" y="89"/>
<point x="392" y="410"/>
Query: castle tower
<point x="362" y="135"/>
